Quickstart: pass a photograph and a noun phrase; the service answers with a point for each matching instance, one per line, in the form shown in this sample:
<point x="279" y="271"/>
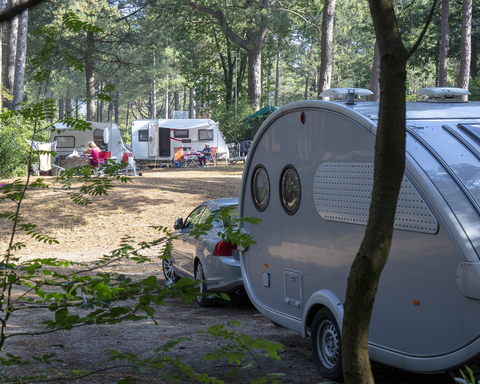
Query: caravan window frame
<point x="143" y="135"/>
<point x="202" y="131"/>
<point x="181" y="133"/>
<point x="290" y="190"/>
<point x="60" y="142"/>
<point x="260" y="202"/>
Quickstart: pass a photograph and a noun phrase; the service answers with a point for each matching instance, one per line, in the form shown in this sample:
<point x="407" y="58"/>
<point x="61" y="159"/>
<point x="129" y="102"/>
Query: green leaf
<point x="61" y="314"/>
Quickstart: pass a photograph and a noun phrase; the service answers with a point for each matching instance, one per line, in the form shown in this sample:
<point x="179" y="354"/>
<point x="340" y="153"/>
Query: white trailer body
<point x="106" y="135"/>
<point x="309" y="176"/>
<point x="155" y="139"/>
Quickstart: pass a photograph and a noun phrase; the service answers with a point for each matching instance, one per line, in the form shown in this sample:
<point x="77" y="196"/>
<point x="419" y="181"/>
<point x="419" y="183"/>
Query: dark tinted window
<point x="143" y="135"/>
<point x="180" y="133"/>
<point x="260" y="188"/>
<point x="290" y="190"/>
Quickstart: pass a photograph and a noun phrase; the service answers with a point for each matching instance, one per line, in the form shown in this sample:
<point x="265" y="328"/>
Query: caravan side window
<point x="205" y="134"/>
<point x="180" y="133"/>
<point x="143" y="135"/>
<point x="260" y="188"/>
<point x="65" y="141"/>
<point x="98" y="137"/>
<point x="290" y="190"/>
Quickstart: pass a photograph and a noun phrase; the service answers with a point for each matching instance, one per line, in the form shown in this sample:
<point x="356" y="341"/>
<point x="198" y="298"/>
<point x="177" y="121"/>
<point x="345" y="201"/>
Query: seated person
<point x="207" y="154"/>
<point x="93" y="151"/>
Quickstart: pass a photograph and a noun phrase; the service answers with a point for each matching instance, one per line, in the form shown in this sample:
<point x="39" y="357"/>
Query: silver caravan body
<point x="426" y="311"/>
<point x="106" y="135"/>
<point x="157" y="139"/>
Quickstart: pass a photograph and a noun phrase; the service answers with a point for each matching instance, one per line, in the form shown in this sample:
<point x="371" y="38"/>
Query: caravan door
<point x="164" y="142"/>
<point x="152" y="140"/>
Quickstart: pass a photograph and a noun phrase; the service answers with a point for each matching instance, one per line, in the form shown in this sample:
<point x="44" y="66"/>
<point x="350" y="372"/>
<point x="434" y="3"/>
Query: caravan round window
<point x="260" y="188"/>
<point x="290" y="190"/>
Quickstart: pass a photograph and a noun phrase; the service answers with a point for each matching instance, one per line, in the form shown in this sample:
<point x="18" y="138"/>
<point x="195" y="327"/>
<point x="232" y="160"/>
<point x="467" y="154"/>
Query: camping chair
<point x="178" y="154"/>
<point x="213" y="159"/>
<point x="131" y="166"/>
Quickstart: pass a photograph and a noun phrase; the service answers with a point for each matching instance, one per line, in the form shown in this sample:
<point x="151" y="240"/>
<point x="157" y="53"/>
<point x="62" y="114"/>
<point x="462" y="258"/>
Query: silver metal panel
<point x="468" y="279"/>
<point x="293" y="288"/>
<point x="342" y="192"/>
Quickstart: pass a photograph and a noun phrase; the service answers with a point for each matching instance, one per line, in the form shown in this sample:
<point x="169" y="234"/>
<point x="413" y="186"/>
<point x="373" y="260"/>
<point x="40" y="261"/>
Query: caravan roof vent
<point x="442" y="94"/>
<point x="346" y="94"/>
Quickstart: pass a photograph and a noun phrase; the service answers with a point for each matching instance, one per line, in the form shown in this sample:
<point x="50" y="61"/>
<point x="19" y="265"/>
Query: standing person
<point x="207" y="154"/>
<point x="93" y="151"/>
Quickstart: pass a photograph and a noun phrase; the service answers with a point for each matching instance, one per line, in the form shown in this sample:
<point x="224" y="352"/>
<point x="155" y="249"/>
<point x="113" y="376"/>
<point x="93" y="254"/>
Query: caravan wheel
<point x="326" y="345"/>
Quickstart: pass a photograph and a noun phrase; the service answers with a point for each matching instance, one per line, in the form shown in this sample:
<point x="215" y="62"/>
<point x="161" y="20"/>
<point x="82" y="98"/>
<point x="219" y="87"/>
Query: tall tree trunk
<point x="128" y="113"/>
<point x="101" y="86"/>
<point x="21" y="55"/>
<point x="306" y="85"/>
<point x="176" y="96"/>
<point x="389" y="165"/>
<point x="466" y="48"/>
<point x="255" y="76"/>
<point x="76" y="107"/>
<point x="1" y="57"/>
<point x="117" y="101"/>
<point x="473" y="64"/>
<point x="110" y="111"/>
<point x="277" y="78"/>
<point x="90" y="76"/>
<point x="375" y="78"/>
<point x="68" y="104"/>
<point x="192" y="104"/>
<point x="11" y="53"/>
<point x="445" y="43"/>
<point x="60" y="109"/>
<point x="326" y="46"/>
<point x="153" y="99"/>
<point x="167" y="100"/>
<point x="184" y="98"/>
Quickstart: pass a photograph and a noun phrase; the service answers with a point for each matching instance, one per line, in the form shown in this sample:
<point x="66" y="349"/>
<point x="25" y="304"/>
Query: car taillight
<point x="224" y="249"/>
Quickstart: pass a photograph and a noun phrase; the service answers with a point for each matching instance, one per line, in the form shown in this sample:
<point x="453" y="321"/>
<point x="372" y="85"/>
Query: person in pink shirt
<point x="93" y="151"/>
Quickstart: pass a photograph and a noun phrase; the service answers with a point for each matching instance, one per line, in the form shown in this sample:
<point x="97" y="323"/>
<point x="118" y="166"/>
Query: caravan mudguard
<point x="322" y="299"/>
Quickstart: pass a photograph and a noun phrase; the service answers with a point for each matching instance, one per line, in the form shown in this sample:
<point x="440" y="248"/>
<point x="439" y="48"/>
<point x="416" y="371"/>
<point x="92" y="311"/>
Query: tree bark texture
<point x="60" y="109"/>
<point x="90" y="76"/>
<point x="307" y="79"/>
<point x="326" y="47"/>
<point x="474" y="62"/>
<point x="444" y="45"/>
<point x="167" y="100"/>
<point x="176" y="96"/>
<point x="375" y="78"/>
<point x="466" y="48"/>
<point x="1" y="57"/>
<point x="389" y="167"/>
<point x="255" y="77"/>
<point x="153" y="99"/>
<point x="191" y="108"/>
<point x="11" y="53"/>
<point x="21" y="55"/>
<point x="277" y="78"/>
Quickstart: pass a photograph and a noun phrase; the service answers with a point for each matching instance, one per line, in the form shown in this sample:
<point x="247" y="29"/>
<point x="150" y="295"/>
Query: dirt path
<point x="85" y="233"/>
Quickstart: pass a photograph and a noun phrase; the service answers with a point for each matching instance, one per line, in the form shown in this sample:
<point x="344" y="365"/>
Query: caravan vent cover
<point x="342" y="192"/>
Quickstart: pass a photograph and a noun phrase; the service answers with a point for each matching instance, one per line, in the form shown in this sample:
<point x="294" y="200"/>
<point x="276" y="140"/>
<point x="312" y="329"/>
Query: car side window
<point x="194" y="217"/>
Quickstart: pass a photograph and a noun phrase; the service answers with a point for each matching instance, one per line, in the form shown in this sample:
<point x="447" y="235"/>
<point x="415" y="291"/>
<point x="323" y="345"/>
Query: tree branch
<point x="18" y="9"/>
<point x="427" y="23"/>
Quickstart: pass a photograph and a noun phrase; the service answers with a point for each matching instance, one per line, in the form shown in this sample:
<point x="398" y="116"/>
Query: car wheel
<point x="204" y="300"/>
<point x="326" y="345"/>
<point x="168" y="271"/>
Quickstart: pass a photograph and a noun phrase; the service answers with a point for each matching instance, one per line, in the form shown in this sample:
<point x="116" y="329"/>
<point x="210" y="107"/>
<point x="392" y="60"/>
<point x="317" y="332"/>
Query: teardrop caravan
<point x="309" y="176"/>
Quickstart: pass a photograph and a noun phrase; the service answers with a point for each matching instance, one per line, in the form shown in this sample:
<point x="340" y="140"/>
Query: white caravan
<point x="309" y="176"/>
<point x="155" y="139"/>
<point x="106" y="135"/>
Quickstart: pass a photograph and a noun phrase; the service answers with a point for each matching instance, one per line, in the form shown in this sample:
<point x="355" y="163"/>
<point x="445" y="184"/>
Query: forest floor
<point x="86" y="233"/>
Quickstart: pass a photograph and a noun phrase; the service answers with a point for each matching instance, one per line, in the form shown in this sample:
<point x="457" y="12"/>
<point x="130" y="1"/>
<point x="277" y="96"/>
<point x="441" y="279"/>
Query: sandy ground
<point x="85" y="233"/>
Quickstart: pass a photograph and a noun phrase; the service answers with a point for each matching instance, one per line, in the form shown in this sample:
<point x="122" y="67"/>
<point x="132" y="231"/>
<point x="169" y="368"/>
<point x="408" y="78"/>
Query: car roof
<point x="221" y="202"/>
